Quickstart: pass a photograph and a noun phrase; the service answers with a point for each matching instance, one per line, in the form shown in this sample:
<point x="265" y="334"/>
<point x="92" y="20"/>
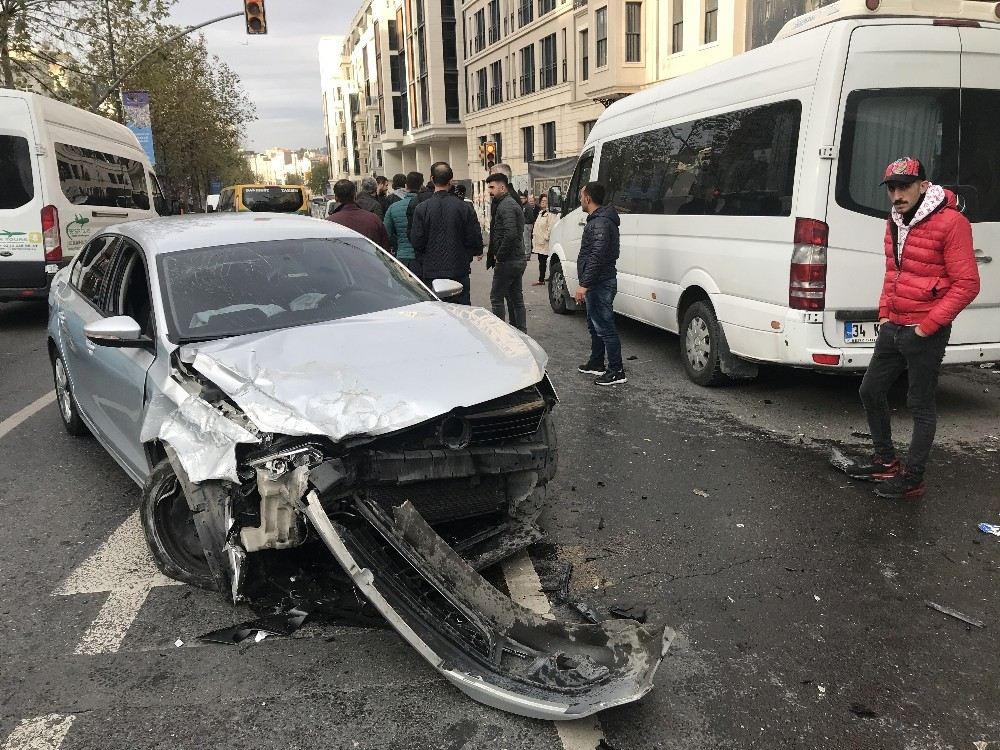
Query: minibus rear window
<point x="275" y="199"/>
<point x="97" y="178"/>
<point x="950" y="130"/>
<point x="16" y="184"/>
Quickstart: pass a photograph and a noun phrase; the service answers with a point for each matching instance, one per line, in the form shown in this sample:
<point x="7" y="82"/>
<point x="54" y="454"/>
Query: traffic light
<point x="256" y="20"/>
<point x="482" y="153"/>
<point x="491" y="154"/>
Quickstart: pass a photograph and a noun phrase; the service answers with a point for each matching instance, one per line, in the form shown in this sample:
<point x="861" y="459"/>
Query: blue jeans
<point x="601" y="324"/>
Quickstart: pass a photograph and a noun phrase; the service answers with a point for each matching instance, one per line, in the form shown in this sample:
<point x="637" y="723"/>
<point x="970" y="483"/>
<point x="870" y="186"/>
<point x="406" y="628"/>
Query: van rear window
<point x="96" y="178"/>
<point x="952" y="131"/>
<point x="275" y="199"/>
<point x="17" y="186"/>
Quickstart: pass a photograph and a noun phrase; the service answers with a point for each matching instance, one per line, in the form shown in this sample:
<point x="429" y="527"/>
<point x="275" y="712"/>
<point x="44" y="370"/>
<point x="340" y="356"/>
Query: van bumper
<point x="14" y="293"/>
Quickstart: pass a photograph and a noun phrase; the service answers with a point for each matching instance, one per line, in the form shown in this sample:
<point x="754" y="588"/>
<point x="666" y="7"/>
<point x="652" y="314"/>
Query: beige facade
<point x="277" y="165"/>
<point x="539" y="72"/>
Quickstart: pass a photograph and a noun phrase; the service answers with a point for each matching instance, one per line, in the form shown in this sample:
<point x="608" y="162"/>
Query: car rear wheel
<point x="558" y="291"/>
<point x="170" y="530"/>
<point x="700" y="337"/>
<point x="64" y="397"/>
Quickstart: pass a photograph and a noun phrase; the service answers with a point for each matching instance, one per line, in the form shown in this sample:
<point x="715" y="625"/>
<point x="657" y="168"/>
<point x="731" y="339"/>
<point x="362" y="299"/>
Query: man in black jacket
<point x="424" y="194"/>
<point x="506" y="252"/>
<point x="599" y="249"/>
<point x="445" y="234"/>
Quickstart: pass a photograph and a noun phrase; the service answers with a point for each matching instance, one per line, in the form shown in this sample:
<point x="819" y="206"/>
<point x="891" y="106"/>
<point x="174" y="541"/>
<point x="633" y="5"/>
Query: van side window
<point x="96" y="178"/>
<point x="739" y="163"/>
<point x="92" y="268"/>
<point x="580" y="178"/>
<point x="16" y="184"/>
<point x="951" y="131"/>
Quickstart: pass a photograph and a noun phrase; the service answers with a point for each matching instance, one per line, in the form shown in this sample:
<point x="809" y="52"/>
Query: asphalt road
<point x="798" y="598"/>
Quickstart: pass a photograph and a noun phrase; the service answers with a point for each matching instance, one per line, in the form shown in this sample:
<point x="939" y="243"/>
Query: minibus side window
<point x="16" y="184"/>
<point x="96" y="178"/>
<point x="580" y="178"/>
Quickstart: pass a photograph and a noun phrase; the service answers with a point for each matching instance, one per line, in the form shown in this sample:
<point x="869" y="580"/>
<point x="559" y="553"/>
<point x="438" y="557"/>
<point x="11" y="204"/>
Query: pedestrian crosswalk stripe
<point x="39" y="733"/>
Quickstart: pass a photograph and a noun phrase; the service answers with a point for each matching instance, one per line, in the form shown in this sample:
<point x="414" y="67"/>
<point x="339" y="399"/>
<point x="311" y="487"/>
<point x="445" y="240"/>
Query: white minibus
<point x="65" y="173"/>
<point x="752" y="218"/>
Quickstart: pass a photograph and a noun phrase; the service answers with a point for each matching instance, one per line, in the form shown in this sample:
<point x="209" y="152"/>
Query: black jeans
<point x="898" y="348"/>
<point x="507" y="277"/>
<point x="601" y="324"/>
<point x="465" y="298"/>
<point x="543" y="261"/>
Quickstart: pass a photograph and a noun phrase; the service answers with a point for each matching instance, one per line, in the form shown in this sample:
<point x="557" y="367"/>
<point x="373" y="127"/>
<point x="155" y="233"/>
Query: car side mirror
<point x="118" y="331"/>
<point x="446" y="288"/>
<point x="555" y="199"/>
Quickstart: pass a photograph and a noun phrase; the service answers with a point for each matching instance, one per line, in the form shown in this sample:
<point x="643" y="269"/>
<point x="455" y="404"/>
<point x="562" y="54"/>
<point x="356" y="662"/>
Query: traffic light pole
<point x="183" y="32"/>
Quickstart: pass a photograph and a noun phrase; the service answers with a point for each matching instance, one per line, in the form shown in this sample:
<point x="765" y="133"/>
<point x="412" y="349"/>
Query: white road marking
<point x="122" y="567"/>
<point x="39" y="733"/>
<point x="26" y="413"/>
<point x="526" y="590"/>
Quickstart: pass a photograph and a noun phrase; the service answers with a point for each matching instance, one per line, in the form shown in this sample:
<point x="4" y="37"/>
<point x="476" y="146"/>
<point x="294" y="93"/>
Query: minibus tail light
<point x="807" y="275"/>
<point x="50" y="234"/>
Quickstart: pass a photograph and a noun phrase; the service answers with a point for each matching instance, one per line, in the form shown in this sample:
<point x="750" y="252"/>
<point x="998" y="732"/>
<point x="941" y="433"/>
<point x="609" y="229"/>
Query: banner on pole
<point x="136" y="106"/>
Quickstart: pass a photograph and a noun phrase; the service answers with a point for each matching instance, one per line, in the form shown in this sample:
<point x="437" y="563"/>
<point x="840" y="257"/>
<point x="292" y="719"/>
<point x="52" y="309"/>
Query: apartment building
<point x="540" y="72"/>
<point x="398" y="71"/>
<point x="278" y="165"/>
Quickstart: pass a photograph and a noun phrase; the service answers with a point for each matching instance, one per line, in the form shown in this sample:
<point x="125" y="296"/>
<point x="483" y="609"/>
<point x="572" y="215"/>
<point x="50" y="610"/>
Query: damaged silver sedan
<point x="279" y="385"/>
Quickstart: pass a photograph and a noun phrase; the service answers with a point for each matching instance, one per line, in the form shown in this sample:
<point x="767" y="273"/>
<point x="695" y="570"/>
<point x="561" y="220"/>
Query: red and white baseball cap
<point x="906" y="169"/>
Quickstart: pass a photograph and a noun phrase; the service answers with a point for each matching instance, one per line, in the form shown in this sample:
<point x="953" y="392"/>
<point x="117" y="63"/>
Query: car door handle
<point x="982" y="257"/>
<point x="109" y="214"/>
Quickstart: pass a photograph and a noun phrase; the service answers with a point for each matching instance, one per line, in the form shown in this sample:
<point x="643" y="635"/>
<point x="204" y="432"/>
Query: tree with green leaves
<point x="318" y="177"/>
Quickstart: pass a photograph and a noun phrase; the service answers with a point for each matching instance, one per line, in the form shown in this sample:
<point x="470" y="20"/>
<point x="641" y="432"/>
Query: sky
<point x="279" y="70"/>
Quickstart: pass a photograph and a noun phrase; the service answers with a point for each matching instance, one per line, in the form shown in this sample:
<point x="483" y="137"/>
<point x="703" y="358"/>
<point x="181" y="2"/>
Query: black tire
<point x="557" y="289"/>
<point x="170" y="530"/>
<point x="65" y="399"/>
<point x="700" y="336"/>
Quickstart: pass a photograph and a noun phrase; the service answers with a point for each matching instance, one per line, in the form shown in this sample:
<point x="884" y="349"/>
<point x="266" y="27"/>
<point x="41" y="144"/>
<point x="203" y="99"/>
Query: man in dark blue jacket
<point x="599" y="249"/>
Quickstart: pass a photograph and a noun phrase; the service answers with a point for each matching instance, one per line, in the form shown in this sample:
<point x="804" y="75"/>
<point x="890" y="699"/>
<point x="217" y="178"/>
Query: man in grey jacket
<point x="506" y="252"/>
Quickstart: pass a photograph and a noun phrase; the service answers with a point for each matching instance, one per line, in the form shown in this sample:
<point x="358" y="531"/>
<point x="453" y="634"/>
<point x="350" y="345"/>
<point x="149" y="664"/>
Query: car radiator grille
<point x="445" y="499"/>
<point x="489" y="430"/>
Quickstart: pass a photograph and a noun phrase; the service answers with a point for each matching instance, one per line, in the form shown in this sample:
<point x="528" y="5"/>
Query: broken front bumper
<point x="482" y="642"/>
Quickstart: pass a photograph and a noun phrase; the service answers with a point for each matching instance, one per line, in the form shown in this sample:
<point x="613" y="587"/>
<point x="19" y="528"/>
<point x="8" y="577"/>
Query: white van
<point x="65" y="173"/>
<point x="752" y="218"/>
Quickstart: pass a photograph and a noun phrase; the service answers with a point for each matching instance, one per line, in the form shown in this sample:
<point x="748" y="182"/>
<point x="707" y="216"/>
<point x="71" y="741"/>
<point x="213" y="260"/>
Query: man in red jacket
<point x="349" y="214"/>
<point x="930" y="277"/>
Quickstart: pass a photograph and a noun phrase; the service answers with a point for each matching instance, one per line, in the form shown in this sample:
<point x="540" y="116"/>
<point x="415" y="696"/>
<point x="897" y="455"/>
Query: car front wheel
<point x="170" y="529"/>
<point x="64" y="396"/>
<point x="700" y="338"/>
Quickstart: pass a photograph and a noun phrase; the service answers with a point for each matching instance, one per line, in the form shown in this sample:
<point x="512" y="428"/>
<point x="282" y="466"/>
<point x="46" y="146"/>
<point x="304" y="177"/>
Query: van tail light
<point x="807" y="276"/>
<point x="50" y="234"/>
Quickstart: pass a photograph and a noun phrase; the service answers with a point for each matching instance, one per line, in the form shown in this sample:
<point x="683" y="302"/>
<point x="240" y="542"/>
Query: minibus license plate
<point x="865" y="332"/>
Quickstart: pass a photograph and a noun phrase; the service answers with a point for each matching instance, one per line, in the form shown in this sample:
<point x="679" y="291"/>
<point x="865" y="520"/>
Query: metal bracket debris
<point x="956" y="614"/>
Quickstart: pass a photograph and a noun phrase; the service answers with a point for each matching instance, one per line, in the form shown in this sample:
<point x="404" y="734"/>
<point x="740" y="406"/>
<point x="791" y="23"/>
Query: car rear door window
<point x="17" y="187"/>
<point x="91" y="270"/>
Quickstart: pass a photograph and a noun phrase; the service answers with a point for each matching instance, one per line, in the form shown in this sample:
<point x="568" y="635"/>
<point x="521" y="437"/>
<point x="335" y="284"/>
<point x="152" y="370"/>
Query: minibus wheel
<point x="700" y="340"/>
<point x="557" y="289"/>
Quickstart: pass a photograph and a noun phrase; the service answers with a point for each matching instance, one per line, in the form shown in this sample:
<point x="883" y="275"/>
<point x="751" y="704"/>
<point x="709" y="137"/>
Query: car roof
<point x="169" y="234"/>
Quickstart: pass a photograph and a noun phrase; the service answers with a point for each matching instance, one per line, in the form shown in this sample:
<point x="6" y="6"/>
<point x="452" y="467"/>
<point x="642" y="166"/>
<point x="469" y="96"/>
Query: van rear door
<point x="22" y="255"/>
<point x="979" y="179"/>
<point x="901" y="97"/>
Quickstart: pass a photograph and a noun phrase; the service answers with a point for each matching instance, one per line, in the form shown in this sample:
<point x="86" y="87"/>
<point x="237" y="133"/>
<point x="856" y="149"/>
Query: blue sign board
<point x="136" y="106"/>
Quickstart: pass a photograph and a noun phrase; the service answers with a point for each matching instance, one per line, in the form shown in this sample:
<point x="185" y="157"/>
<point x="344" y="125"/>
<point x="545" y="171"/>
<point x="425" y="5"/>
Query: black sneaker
<point x="877" y="469"/>
<point x="903" y="486"/>
<point x="616" y="377"/>
<point x="589" y="368"/>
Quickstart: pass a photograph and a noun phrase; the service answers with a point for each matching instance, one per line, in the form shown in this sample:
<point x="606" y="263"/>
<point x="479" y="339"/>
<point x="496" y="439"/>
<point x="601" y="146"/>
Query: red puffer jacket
<point x="937" y="276"/>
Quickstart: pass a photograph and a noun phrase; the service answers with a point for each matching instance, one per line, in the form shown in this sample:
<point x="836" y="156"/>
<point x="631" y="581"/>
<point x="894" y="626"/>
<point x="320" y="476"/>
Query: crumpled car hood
<point x="370" y="374"/>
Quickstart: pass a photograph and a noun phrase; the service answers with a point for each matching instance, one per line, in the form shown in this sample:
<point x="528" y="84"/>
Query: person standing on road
<point x="348" y="213"/>
<point x="596" y="266"/>
<point x="530" y="214"/>
<point x="424" y="194"/>
<point x="506" y="252"/>
<point x="399" y="190"/>
<point x="366" y="197"/>
<point x="382" y="192"/>
<point x="445" y="235"/>
<point x="930" y="277"/>
<point x="396" y="226"/>
<point x="540" y="236"/>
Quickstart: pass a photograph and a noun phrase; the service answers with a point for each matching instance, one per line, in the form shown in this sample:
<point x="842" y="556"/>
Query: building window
<point x="565" y="64"/>
<point x="544" y="6"/>
<point x="498" y="139"/>
<point x="677" y="27"/>
<point x="480" y="99"/>
<point x="528" y="70"/>
<point x="449" y="42"/>
<point x="548" y="69"/>
<point x="528" y="143"/>
<point x="633" y="31"/>
<point x="601" y="18"/>
<point x="525" y="13"/>
<point x="496" y="87"/>
<point x="479" y="36"/>
<point x="584" y="55"/>
<point x="711" y="21"/>
<point x="494" y="24"/>
<point x="587" y="127"/>
<point x="549" y="140"/>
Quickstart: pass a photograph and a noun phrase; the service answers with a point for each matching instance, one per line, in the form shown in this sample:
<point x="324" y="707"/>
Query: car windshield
<point x="273" y="199"/>
<point x="230" y="290"/>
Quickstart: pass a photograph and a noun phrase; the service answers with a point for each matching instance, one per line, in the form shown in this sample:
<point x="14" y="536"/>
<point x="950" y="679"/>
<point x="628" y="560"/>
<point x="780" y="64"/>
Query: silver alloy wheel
<point x="62" y="391"/>
<point x="698" y="343"/>
<point x="557" y="285"/>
